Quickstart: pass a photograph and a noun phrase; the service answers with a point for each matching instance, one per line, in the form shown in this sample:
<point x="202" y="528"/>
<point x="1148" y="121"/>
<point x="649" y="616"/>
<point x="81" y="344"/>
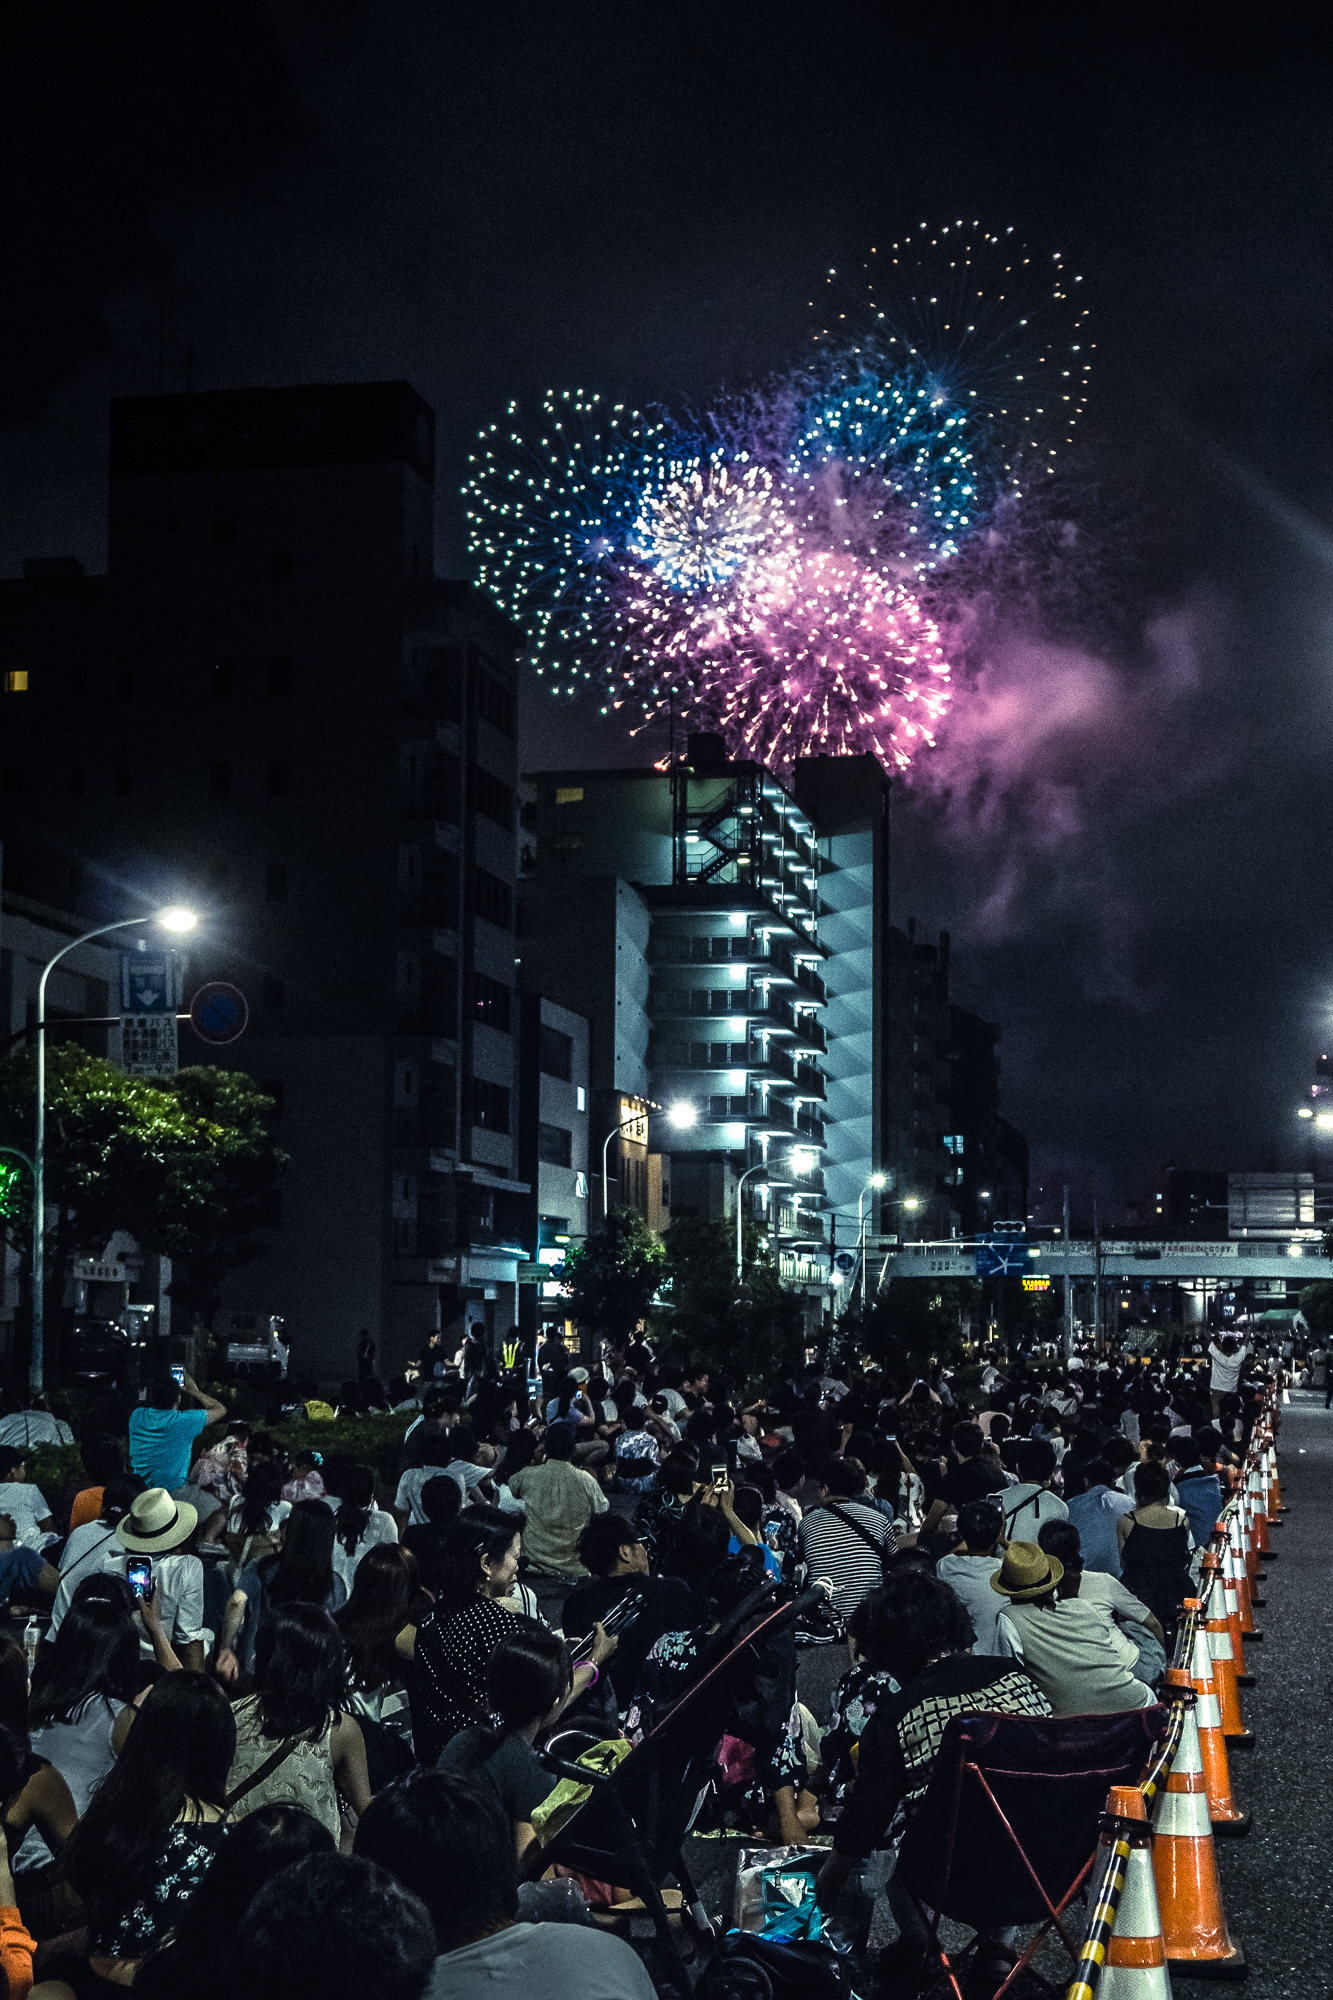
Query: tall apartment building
<point x="271" y="708"/>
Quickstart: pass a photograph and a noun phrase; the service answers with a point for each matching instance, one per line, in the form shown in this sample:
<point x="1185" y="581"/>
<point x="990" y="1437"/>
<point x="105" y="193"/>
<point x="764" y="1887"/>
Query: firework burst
<point x="794" y="565"/>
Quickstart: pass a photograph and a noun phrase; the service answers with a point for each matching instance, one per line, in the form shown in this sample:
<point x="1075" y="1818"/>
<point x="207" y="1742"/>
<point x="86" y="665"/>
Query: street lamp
<point x="174" y="918"/>
<point x="682" y="1115"/>
<point x="758" y="1168"/>
<point x="875" y="1181"/>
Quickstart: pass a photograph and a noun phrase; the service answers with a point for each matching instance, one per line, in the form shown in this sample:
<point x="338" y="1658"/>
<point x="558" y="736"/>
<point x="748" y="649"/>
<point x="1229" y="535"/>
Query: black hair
<point x="300" y="1671"/>
<point x="102" y="1457"/>
<point x="789" y="1468"/>
<point x="119" y="1495"/>
<point x="303" y="1572"/>
<point x="263" y="1489"/>
<point x="560" y="1440"/>
<point x="10" y="1456"/>
<point x="969" y="1439"/>
<point x="1036" y="1460"/>
<point x="337" y="1926"/>
<point x="163" y="1393"/>
<point x="843" y="1477"/>
<point x="437" y="1449"/>
<point x="677" y="1472"/>
<point x="1185" y="1452"/>
<point x="1152" y="1484"/>
<point x="911" y="1619"/>
<point x="256" y="1849"/>
<point x="440" y="1500"/>
<point x="527" y="1674"/>
<point x="980" y="1523"/>
<point x="748" y="1506"/>
<point x="376" y="1612"/>
<point x="601" y="1541"/>
<point x="449" y="1841"/>
<point x="94" y="1654"/>
<point x="478" y="1532"/>
<point x="1061" y="1539"/>
<point x="697" y="1546"/>
<point x="734" y="1579"/>
<point x="180" y="1748"/>
<point x="358" y="1501"/>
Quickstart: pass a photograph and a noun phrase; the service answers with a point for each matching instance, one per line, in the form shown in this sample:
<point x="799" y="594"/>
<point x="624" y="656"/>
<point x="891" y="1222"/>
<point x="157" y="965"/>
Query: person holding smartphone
<point x="162" y="1432"/>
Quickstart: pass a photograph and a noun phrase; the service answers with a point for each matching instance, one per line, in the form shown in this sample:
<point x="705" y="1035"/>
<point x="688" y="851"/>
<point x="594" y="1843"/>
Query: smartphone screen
<point x="178" y="1377"/>
<point x="139" y="1575"/>
<point x="720" y="1474"/>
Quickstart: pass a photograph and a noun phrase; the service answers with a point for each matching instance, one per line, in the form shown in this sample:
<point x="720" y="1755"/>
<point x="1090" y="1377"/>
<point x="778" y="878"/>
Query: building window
<point x="280" y="678"/>
<point x="492" y="899"/>
<point x="220" y="679"/>
<point x="16" y="681"/>
<point x="281" y="566"/>
<point x="78" y="781"/>
<point x="953" y="1142"/>
<point x="224" y="534"/>
<point x="494" y="799"/>
<point x="490" y="1105"/>
<point x="219" y="781"/>
<point x="124" y="784"/>
<point x="494" y="703"/>
<point x="279" y="778"/>
<point x="125" y="681"/>
<point x="554" y="1145"/>
<point x="275" y="882"/>
<point x="557" y="1054"/>
<point x="490" y="1002"/>
<point x="275" y="995"/>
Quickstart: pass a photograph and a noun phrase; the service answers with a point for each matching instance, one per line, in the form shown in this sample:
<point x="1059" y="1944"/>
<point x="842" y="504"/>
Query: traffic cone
<point x="1203" y="1675"/>
<point x="1273" y="1494"/>
<point x="1219" y="1598"/>
<point x="1248" y="1552"/>
<point x="1135" y="1964"/>
<point x="1184" y="1860"/>
<point x="1235" y="1570"/>
<point x="1259" y="1511"/>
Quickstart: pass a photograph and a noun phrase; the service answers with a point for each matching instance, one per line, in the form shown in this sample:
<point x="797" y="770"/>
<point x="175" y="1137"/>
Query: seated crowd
<point x="284" y="1722"/>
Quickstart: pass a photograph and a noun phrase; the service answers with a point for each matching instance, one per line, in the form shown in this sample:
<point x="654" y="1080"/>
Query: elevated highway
<point x="1225" y="1262"/>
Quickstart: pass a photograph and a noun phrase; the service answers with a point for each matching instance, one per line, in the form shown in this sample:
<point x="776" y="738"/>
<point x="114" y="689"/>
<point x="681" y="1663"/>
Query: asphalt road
<point x="1276" y="1882"/>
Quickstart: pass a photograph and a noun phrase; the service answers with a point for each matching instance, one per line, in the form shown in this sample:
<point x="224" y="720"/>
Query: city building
<point x="552" y="1151"/>
<point x="987" y="1164"/>
<point x="271" y="709"/>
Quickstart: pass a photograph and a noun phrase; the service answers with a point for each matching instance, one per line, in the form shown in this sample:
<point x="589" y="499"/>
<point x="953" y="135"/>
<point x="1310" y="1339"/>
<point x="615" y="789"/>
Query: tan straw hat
<point x="1027" y="1571"/>
<point x="156" y="1523"/>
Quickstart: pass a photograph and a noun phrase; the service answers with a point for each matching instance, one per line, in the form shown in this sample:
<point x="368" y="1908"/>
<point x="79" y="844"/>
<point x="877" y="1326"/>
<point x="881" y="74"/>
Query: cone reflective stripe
<point x="1272" y="1495"/>
<point x="1249" y="1554"/>
<point x="1217" y="1627"/>
<point x="1259" y="1510"/>
<point x="1225" y="1814"/>
<point x="1276" y="1504"/>
<point x="1231" y="1605"/>
<point x="1189" y="1894"/>
<point x="1236" y="1570"/>
<point x="1123" y="1954"/>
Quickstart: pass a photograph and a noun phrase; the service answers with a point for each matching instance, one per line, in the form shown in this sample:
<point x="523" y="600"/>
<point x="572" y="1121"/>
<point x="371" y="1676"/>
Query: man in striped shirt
<point x="845" y="1539"/>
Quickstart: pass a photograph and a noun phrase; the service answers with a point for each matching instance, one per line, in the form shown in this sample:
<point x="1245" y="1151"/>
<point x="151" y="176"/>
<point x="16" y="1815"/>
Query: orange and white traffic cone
<point x="1219" y="1600"/>
<point x="1184" y="1860"/>
<point x="1135" y="1964"/>
<point x="1235" y="1569"/>
<point x="1259" y="1510"/>
<point x="1276" y="1504"/>
<point x="1249" y="1554"/>
<point x="1268" y="1472"/>
<point x="1203" y="1676"/>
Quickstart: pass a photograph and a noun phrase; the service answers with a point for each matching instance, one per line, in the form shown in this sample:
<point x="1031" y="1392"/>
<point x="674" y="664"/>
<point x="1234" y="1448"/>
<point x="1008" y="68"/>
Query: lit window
<point x="16" y="682"/>
<point x="568" y="795"/>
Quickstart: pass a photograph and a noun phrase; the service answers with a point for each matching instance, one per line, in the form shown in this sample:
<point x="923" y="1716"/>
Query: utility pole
<point x="1069" y="1288"/>
<point x="1096" y="1281"/>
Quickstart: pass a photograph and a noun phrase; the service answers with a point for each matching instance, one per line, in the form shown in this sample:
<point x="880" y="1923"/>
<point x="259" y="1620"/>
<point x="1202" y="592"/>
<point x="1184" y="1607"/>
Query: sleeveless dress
<point x="304" y="1778"/>
<point x="1155" y="1565"/>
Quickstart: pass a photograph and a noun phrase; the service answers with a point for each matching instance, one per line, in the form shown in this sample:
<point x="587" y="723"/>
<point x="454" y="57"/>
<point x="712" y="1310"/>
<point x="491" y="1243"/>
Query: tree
<point x="737" y="1328"/>
<point x="185" y="1163"/>
<point x="913" y="1323"/>
<point x="612" y="1277"/>
<point x="1317" y="1305"/>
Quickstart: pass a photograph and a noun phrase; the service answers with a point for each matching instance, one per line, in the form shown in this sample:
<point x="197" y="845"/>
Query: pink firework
<point x="809" y="653"/>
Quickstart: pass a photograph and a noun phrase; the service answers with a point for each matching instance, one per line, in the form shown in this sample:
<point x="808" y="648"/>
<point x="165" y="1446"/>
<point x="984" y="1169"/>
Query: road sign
<point x="150" y="991"/>
<point x="1002" y="1256"/>
<point x="219" y="1012"/>
<point x="844" y="1262"/>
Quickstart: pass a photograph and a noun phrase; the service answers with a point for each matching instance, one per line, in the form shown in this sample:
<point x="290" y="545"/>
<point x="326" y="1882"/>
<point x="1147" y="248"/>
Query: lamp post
<point x="758" y="1168"/>
<point x="875" y="1181"/>
<point x="681" y="1115"/>
<point x="172" y="919"/>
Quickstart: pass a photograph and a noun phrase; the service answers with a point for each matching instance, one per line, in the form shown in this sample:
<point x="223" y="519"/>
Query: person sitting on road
<point x="1061" y="1540"/>
<point x="529" y="1685"/>
<point x="1030" y="1504"/>
<point x="34" y="1523"/>
<point x="617" y="1563"/>
<point x="336" y="1926"/>
<point x="441" y="1503"/>
<point x="971" y="1566"/>
<point x="1155" y="1546"/>
<point x="1073" y="1648"/>
<point x="558" y="1499"/>
<point x="1198" y="1489"/>
<point x="162" y="1431"/>
<point x="844" y="1541"/>
<point x="447" y="1840"/>
<point x="295" y="1743"/>
<point x="1095" y="1512"/>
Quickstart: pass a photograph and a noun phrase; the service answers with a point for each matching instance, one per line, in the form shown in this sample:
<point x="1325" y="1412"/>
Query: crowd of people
<point x="284" y="1705"/>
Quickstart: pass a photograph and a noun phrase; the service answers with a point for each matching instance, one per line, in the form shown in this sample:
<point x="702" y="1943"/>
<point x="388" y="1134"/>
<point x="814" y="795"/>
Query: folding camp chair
<point x="633" y="1828"/>
<point x="1006" y="1833"/>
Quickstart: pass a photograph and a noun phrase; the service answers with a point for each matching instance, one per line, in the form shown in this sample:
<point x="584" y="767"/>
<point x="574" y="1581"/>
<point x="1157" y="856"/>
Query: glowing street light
<point x="173" y="918"/>
<point x="682" y="1114"/>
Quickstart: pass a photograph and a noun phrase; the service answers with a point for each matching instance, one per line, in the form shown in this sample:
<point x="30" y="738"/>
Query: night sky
<point x="1127" y="835"/>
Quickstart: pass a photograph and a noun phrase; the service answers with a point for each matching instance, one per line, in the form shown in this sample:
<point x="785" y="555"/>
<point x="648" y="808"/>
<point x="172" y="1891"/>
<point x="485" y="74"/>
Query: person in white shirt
<point x="1138" y="1623"/>
<point x="1030" y="1504"/>
<point x="969" y="1569"/>
<point x="437" y="1455"/>
<point x="33" y="1424"/>
<point x="156" y="1526"/>
<point x="1075" y="1651"/>
<point x="1227" y="1362"/>
<point x="28" y="1507"/>
<point x="358" y="1524"/>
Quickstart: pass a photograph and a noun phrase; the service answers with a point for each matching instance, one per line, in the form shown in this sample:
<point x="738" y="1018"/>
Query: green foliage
<point x="1317" y="1305"/>
<point x="613" y="1276"/>
<point x="738" y="1329"/>
<point x="185" y="1163"/>
<point x="50" y="1467"/>
<point x="376" y="1441"/>
<point x="913" y="1323"/>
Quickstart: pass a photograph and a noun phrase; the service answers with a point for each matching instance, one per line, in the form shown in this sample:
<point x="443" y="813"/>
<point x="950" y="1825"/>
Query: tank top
<point x="304" y="1778"/>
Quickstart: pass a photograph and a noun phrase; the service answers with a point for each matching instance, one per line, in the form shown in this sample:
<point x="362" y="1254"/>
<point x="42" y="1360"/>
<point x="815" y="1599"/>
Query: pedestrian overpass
<point x="1228" y="1263"/>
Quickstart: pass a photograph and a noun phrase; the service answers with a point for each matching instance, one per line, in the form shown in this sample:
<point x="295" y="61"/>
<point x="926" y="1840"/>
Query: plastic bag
<point x="775" y="1892"/>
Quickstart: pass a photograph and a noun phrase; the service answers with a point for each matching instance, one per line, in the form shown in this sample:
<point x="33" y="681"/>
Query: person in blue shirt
<point x="1198" y="1492"/>
<point x="162" y="1433"/>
